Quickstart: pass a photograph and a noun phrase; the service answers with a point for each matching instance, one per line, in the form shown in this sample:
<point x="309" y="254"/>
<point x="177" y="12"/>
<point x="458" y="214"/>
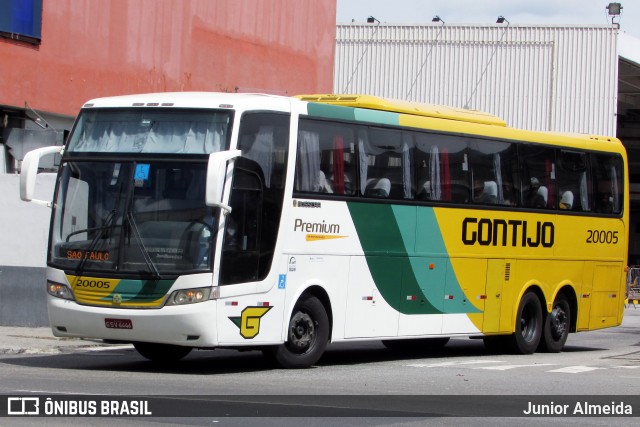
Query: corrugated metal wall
<point x="539" y="78"/>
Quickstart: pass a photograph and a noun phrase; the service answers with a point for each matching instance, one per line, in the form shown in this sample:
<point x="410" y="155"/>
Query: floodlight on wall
<point x="615" y="9"/>
<point x="370" y="20"/>
<point x="501" y="19"/>
<point x="436" y="18"/>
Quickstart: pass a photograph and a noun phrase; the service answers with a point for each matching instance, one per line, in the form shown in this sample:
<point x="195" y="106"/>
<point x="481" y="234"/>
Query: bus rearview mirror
<point x="29" y="173"/>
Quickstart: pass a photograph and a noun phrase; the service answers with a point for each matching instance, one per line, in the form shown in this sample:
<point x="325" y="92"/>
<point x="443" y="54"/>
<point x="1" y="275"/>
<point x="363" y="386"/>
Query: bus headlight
<point x="59" y="290"/>
<point x="189" y="296"/>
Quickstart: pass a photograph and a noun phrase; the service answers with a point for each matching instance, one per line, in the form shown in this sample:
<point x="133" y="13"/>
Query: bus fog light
<point x="59" y="290"/>
<point x="189" y="296"/>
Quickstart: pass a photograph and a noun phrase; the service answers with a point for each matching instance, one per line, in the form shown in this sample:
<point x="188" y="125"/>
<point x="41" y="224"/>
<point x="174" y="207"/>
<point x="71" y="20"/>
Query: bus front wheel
<point x="528" y="326"/>
<point x="307" y="336"/>
<point x="556" y="326"/>
<point x="161" y="353"/>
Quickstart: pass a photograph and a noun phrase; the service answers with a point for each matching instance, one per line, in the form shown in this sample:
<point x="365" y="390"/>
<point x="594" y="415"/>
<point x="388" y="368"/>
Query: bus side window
<point x="325" y="158"/>
<point x="574" y="183"/>
<point x="538" y="177"/>
<point x="386" y="166"/>
<point x="491" y="164"/>
<point x="441" y="168"/>
<point x="606" y="170"/>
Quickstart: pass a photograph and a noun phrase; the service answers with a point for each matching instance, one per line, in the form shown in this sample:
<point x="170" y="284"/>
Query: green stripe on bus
<point x="448" y="285"/>
<point x="330" y="111"/>
<point x="377" y="117"/>
<point x="346" y="113"/>
<point x="141" y="290"/>
<point x="404" y="279"/>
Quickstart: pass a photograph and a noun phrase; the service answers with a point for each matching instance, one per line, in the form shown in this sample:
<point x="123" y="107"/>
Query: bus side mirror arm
<point x="29" y="173"/>
<point x="216" y="177"/>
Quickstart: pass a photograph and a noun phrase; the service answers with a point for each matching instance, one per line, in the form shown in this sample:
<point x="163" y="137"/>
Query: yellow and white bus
<point x="216" y="220"/>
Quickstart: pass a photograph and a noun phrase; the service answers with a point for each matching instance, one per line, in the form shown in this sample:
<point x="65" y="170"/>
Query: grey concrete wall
<point x="23" y="299"/>
<point x="24" y="230"/>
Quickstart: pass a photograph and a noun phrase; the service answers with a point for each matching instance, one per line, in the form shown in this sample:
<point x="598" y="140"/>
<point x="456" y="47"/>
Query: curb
<point x="58" y="349"/>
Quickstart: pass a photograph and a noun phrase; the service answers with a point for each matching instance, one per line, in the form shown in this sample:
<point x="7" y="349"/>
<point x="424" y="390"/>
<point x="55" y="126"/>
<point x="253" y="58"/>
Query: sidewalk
<point x="24" y="340"/>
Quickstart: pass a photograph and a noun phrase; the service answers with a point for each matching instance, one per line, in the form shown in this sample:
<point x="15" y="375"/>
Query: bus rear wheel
<point x="556" y="326"/>
<point x="528" y="328"/>
<point x="307" y="336"/>
<point x="161" y="353"/>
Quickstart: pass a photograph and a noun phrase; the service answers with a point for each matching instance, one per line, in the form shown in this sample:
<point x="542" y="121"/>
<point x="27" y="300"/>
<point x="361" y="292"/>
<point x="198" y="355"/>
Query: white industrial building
<point x="583" y="79"/>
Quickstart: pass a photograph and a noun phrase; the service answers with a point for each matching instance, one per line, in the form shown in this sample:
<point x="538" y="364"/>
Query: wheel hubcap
<point x="558" y="322"/>
<point x="301" y="332"/>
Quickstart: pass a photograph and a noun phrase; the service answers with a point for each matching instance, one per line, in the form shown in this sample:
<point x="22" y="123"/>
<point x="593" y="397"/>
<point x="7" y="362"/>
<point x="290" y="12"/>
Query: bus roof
<point x="411" y="110"/>
<point x="405" y="107"/>
<point x="223" y="100"/>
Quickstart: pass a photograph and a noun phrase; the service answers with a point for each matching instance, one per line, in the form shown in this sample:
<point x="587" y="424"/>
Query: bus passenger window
<point x="539" y="176"/>
<point x="492" y="166"/>
<point x="325" y="160"/>
<point x="606" y="170"/>
<point x="442" y="168"/>
<point x="574" y="184"/>
<point x="264" y="139"/>
<point x="386" y="167"/>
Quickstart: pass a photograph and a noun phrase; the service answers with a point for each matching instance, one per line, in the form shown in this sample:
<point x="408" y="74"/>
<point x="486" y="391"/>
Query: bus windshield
<point x="144" y="217"/>
<point x="131" y="192"/>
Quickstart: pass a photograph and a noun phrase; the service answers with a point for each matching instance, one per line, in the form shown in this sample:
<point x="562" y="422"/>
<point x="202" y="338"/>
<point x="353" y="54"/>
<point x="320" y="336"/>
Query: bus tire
<point x="307" y="336"/>
<point x="418" y="344"/>
<point x="528" y="329"/>
<point x="161" y="353"/>
<point x="556" y="326"/>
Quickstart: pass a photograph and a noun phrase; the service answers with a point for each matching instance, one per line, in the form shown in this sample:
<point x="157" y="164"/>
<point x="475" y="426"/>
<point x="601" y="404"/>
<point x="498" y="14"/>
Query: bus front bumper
<point x="192" y="325"/>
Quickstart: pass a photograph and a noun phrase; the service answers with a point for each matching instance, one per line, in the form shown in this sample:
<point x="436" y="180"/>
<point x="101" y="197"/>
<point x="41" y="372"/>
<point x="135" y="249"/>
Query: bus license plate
<point x="118" y="323"/>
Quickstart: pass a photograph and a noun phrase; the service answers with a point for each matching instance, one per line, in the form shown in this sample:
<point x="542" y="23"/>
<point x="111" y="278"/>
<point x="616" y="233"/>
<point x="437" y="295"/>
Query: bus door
<point x="497" y="315"/>
<point x="584" y="297"/>
<point x="606" y="300"/>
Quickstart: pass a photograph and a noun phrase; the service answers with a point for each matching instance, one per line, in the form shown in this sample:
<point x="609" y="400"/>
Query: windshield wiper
<point x="143" y="249"/>
<point x="104" y="227"/>
<point x="107" y="225"/>
<point x="103" y="232"/>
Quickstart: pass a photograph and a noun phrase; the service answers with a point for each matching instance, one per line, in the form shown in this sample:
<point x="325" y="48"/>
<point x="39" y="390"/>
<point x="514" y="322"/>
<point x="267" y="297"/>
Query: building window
<point x="21" y="20"/>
